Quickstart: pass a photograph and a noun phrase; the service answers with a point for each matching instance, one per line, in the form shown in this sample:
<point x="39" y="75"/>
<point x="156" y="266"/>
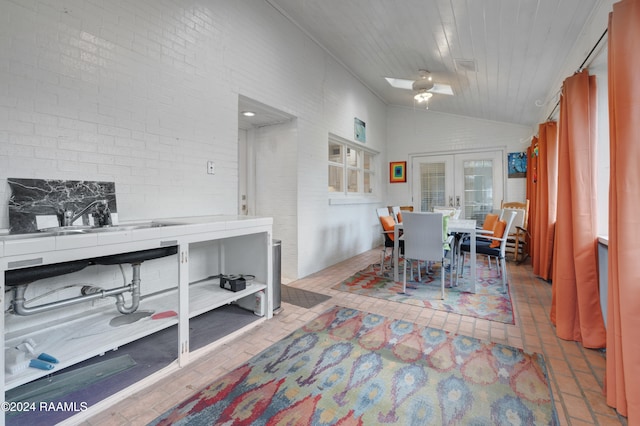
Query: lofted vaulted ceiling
<point x="500" y="57"/>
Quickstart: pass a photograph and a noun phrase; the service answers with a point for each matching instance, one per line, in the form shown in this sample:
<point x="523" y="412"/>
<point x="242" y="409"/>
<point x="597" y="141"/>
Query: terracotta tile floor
<point x="576" y="373"/>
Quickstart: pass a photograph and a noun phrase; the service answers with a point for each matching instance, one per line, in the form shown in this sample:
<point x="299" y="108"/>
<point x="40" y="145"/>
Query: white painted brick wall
<point x="122" y="92"/>
<point x="425" y="131"/>
<point x="143" y="93"/>
<point x="276" y="150"/>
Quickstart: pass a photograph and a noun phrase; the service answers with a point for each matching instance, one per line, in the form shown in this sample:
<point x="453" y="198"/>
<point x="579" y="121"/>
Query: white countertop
<point x="174" y="228"/>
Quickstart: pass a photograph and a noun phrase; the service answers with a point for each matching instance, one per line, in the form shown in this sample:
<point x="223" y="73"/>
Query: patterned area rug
<point x="487" y="303"/>
<point x="348" y="367"/>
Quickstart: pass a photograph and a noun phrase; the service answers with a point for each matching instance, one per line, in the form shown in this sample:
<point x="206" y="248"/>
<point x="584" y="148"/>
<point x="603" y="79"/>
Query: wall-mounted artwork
<point x="397" y="171"/>
<point x="359" y="128"/>
<point x="37" y="204"/>
<point x="517" y="164"/>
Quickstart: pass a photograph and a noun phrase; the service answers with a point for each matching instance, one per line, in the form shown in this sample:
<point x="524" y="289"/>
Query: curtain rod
<point x="595" y="46"/>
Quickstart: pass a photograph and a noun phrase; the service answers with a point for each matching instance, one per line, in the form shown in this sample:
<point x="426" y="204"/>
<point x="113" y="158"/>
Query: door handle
<point x="450" y="201"/>
<point x="457" y="201"/>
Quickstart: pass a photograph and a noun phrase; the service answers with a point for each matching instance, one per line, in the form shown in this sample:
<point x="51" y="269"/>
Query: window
<point x="351" y="169"/>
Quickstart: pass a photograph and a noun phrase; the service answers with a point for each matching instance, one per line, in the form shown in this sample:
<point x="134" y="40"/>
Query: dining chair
<point x="493" y="245"/>
<point x="488" y="224"/>
<point x="425" y="239"/>
<point x="387" y="222"/>
<point x="481" y="231"/>
<point x="453" y="212"/>
<point x="397" y="214"/>
<point x="517" y="243"/>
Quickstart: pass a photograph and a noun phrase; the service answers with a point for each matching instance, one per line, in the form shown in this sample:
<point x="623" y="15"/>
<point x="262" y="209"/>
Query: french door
<point x="472" y="181"/>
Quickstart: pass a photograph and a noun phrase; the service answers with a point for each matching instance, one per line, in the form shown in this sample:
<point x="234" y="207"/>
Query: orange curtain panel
<point x="622" y="379"/>
<point x="575" y="305"/>
<point x="544" y="214"/>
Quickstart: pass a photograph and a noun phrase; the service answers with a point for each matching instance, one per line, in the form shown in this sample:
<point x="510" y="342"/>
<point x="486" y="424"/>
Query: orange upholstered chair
<point x="493" y="245"/>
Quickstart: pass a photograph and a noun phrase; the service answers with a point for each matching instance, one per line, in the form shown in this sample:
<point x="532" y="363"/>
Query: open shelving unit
<point x="81" y="337"/>
<point x="86" y="336"/>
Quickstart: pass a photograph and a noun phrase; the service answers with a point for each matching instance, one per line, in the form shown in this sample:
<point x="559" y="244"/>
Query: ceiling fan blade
<point x="442" y="89"/>
<point x="400" y="83"/>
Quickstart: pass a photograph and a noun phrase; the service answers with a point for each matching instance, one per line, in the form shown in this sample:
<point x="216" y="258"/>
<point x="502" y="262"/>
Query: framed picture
<point x="359" y="130"/>
<point x="397" y="171"/>
<point x="517" y="164"/>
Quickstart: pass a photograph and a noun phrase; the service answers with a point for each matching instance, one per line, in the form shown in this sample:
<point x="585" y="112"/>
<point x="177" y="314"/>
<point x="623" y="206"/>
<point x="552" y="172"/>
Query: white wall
<point x="328" y="233"/>
<point x="276" y="155"/>
<point x="599" y="68"/>
<point x="416" y="131"/>
<point x="143" y="93"/>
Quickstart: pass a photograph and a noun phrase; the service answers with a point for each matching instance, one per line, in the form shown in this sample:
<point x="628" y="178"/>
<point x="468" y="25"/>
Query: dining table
<point x="461" y="226"/>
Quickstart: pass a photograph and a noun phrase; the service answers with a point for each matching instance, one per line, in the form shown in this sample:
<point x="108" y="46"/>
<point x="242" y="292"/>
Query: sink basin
<point x="61" y="230"/>
<point x="81" y="229"/>
<point x="128" y="227"/>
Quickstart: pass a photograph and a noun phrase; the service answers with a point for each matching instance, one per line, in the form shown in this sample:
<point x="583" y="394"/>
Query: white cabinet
<point x="206" y="247"/>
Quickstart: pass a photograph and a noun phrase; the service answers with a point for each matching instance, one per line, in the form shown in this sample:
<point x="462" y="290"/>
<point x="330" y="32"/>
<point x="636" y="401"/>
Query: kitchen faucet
<point x="101" y="206"/>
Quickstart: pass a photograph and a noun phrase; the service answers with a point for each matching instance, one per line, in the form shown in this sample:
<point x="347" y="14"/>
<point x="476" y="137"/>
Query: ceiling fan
<point x="423" y="86"/>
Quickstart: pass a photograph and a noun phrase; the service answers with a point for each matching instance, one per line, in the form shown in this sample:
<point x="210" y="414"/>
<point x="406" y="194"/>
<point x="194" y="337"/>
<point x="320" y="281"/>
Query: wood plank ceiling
<point x="499" y="56"/>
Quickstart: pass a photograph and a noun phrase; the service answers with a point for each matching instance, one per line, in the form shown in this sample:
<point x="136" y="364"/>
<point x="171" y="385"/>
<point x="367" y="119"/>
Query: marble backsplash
<point x="40" y="203"/>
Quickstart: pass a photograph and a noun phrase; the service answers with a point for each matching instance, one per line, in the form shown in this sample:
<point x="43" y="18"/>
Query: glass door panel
<point x="473" y="182"/>
<point x="432" y="178"/>
<point x="479" y="183"/>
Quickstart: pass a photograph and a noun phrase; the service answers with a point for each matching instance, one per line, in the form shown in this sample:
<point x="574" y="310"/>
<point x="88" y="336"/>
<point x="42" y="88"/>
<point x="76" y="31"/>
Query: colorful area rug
<point x="487" y="303"/>
<point x="348" y="367"/>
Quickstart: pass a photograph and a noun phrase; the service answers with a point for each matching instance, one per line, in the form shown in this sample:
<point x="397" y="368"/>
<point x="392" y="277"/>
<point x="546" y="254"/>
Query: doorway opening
<point x="268" y="173"/>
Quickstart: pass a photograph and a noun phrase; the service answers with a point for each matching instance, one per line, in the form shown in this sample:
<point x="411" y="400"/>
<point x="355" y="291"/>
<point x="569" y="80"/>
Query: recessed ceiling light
<point x="248" y="113"/>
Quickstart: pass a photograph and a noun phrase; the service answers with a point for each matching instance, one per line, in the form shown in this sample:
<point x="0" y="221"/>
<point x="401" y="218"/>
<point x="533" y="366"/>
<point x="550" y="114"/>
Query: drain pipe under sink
<point x="88" y="293"/>
<point x="135" y="292"/>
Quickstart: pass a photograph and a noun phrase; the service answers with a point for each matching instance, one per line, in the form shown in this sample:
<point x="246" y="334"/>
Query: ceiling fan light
<point x="423" y="96"/>
<point x="422" y="84"/>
